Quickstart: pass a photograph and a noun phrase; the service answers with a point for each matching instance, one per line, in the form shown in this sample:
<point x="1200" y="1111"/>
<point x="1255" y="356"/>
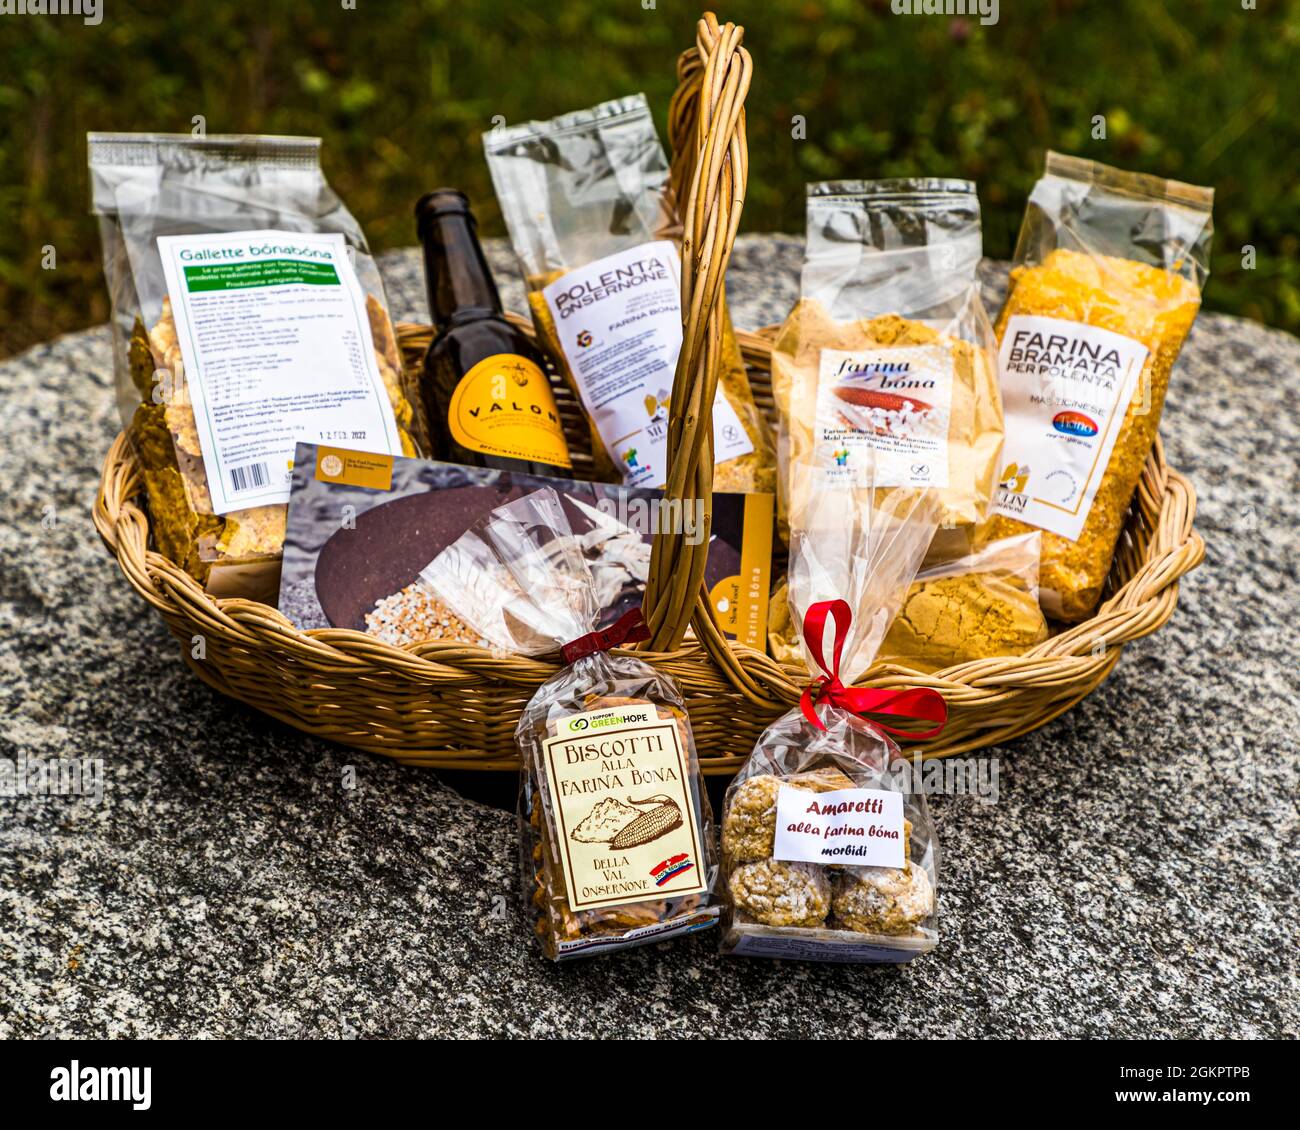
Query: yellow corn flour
<point x="975" y="418"/>
<point x="943" y="622"/>
<point x="1150" y="305"/>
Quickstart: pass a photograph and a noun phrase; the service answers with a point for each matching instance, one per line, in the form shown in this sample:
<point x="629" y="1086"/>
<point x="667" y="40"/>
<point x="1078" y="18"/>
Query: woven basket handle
<point x="709" y="174"/>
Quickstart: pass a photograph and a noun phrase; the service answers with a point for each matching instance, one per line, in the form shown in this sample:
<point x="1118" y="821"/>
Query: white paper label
<point x="895" y="403"/>
<point x="855" y="827"/>
<point x="276" y="342"/>
<point x="619" y="321"/>
<point x="1066" y="387"/>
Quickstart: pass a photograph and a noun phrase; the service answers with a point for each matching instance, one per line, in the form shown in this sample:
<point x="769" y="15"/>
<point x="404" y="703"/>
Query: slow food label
<point x="625" y="821"/>
<point x="854" y="827"/>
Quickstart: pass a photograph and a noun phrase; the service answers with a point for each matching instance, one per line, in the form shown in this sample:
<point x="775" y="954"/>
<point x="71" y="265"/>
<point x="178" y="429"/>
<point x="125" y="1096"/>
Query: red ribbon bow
<point x="921" y="704"/>
<point x="628" y="628"/>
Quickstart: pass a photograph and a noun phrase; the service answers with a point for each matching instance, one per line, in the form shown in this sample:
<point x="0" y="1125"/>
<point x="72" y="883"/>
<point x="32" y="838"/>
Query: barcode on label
<point x="248" y="476"/>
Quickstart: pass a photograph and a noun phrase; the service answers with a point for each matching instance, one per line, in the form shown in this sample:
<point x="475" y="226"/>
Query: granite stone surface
<point x="1136" y="876"/>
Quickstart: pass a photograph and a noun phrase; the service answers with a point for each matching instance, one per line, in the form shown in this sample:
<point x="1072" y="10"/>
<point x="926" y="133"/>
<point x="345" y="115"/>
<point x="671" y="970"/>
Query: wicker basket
<point x="451" y="706"/>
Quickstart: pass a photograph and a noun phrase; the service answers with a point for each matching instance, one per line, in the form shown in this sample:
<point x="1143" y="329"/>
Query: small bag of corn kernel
<point x="587" y="200"/>
<point x="616" y="833"/>
<point x="827" y="847"/>
<point x="1107" y="282"/>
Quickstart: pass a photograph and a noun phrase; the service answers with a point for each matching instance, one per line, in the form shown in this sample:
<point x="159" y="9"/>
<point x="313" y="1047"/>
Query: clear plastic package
<point x="1106" y="285"/>
<point x="889" y="349"/>
<point x="235" y="251"/>
<point x="616" y="833"/>
<point x="828" y="850"/>
<point x="980" y="605"/>
<point x="587" y="200"/>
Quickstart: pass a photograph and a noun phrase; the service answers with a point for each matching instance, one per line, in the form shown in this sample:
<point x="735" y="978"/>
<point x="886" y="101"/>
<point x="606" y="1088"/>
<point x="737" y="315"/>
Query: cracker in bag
<point x="247" y="315"/>
<point x="616" y="833"/>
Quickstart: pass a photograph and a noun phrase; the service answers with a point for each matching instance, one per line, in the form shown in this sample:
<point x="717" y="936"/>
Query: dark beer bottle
<point x="486" y="393"/>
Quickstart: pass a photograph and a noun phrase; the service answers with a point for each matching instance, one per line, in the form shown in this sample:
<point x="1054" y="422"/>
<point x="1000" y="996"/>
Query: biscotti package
<point x="247" y="315"/>
<point x="616" y="833"/>
<point x="828" y="852"/>
<point x="590" y="211"/>
<point x="889" y="351"/>
<point x="1106" y="284"/>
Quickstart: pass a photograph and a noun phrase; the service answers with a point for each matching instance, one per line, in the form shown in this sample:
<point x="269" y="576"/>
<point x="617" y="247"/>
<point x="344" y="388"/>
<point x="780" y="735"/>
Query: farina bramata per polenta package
<point x="1106" y="284"/>
<point x="616" y="833"/>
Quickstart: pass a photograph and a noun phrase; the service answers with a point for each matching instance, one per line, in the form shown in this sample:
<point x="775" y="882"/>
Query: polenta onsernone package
<point x="889" y="349"/>
<point x="247" y="315"/>
<point x="827" y="846"/>
<point x="587" y="201"/>
<point x="1106" y="284"/>
<point x="616" y="835"/>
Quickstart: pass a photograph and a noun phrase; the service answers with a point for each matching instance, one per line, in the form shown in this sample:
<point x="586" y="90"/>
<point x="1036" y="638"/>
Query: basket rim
<point x="1144" y="603"/>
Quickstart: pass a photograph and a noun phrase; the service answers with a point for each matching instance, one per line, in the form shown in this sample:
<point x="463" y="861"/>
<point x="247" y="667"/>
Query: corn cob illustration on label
<point x="627" y="824"/>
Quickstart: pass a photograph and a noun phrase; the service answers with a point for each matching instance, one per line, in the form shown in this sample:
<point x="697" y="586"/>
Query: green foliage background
<point x="1199" y="90"/>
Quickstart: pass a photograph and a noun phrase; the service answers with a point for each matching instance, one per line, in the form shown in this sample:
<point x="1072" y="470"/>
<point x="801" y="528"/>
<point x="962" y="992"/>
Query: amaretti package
<point x="828" y="851"/>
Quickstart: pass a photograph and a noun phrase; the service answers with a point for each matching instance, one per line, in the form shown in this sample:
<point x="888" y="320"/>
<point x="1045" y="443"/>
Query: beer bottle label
<point x="503" y="406"/>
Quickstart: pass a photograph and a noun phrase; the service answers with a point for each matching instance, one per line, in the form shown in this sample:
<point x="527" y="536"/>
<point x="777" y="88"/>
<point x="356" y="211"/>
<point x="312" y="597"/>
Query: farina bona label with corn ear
<point x="1107" y="282"/>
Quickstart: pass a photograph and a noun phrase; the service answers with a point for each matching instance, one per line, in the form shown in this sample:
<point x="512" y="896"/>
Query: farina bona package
<point x="828" y="851"/>
<point x="587" y="201"/>
<point x="889" y="349"/>
<point x="247" y="315"/>
<point x="1108" y="277"/>
<point x="616" y="833"/>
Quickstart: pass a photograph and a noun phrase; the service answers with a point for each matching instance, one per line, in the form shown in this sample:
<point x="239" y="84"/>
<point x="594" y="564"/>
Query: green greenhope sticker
<point x="603" y="719"/>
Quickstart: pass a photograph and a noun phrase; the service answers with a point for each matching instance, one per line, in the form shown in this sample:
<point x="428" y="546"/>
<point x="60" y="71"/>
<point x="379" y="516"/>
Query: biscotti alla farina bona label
<point x="625" y="818"/>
